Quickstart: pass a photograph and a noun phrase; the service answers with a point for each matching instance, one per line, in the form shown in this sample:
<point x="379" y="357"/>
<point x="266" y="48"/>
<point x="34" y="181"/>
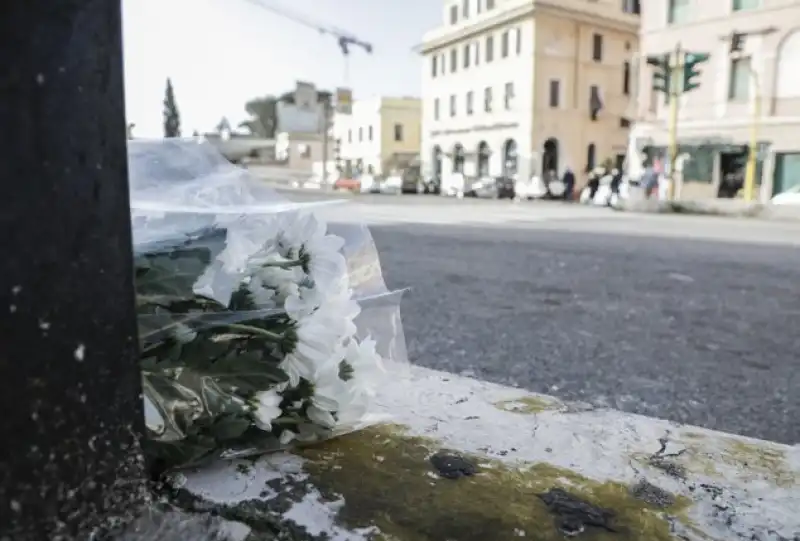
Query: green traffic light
<point x="661" y="75"/>
<point x="690" y="71"/>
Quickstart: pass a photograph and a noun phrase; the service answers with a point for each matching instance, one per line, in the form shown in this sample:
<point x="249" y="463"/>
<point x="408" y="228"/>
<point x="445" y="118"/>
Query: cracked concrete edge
<point x="737" y="488"/>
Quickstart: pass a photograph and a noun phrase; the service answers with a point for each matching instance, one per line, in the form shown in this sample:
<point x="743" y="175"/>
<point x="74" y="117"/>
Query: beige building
<point x="525" y="86"/>
<point x="303" y="152"/>
<point x="378" y="135"/>
<point x="716" y="118"/>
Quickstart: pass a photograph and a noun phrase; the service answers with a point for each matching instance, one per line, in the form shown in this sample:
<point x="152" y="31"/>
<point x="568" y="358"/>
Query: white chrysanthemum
<point x="319" y="336"/>
<point x="305" y="234"/>
<point x="349" y="399"/>
<point x="265" y="408"/>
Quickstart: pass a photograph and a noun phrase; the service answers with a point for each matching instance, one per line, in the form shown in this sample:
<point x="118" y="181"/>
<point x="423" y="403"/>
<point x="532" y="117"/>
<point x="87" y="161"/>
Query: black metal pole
<point x="69" y="380"/>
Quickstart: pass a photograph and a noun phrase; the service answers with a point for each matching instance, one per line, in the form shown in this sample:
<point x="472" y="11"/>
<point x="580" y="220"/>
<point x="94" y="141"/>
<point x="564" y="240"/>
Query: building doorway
<point x="550" y="157"/>
<point x="437" y="162"/>
<point x="510" y="158"/>
<point x="732" y="170"/>
<point x="483" y="159"/>
<point x="458" y="158"/>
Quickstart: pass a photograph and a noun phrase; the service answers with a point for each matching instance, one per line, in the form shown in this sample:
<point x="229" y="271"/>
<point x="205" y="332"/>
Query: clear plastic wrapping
<point x="259" y="324"/>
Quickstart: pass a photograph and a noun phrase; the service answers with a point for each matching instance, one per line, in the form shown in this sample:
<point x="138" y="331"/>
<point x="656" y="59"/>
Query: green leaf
<point x="345" y="371"/>
<point x="172" y="273"/>
<point x="229" y="427"/>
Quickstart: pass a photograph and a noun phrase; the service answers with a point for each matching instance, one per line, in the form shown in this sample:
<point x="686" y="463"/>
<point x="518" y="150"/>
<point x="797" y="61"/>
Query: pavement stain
<point x="404" y="498"/>
<point x="530" y="405"/>
<point x="753" y="460"/>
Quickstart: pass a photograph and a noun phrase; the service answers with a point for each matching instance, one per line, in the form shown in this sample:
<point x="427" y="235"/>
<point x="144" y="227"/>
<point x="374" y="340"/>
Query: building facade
<point x="715" y="120"/>
<point x="522" y="87"/>
<point x="378" y="135"/>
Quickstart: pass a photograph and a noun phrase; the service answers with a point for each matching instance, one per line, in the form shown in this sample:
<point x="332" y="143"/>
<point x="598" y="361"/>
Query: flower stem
<point x="254" y="330"/>
<point x="284" y="264"/>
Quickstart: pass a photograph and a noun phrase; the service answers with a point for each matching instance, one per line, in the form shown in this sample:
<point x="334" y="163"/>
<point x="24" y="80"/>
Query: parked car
<point x="347" y="183"/>
<point x="411" y="180"/>
<point x="506" y="187"/>
<point x="453" y="184"/>
<point x="433" y="185"/>
<point x="393" y="184"/>
<point x="789" y="197"/>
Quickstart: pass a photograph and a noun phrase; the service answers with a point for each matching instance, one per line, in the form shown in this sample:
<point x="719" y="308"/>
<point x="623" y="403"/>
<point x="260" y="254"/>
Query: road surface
<point x="691" y="319"/>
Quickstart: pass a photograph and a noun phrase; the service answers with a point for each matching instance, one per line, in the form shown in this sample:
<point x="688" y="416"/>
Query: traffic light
<point x="737" y="42"/>
<point x="661" y="74"/>
<point x="690" y="72"/>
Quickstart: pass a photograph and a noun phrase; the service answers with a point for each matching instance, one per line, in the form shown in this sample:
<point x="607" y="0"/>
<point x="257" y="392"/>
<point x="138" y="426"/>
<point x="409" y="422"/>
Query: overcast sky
<point x="220" y="53"/>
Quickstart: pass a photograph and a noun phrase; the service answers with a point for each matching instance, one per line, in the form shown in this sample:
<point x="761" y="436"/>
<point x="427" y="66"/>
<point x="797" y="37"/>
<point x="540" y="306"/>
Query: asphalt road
<point x="688" y="319"/>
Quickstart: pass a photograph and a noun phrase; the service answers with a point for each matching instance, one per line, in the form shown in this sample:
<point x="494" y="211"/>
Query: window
<point x="350" y="136"/>
<point x="633" y="7"/>
<point x="369" y="133"/>
<point x="360" y="134"/>
<point x="453" y="14"/>
<point x="519" y="40"/>
<point x="477" y="52"/>
<point x="745" y="5"/>
<point x="508" y="96"/>
<point x="434" y="65"/>
<point x="595" y="102"/>
<point x="453" y="105"/>
<point x="467" y="55"/>
<point x="480" y="6"/>
<point x="626" y="78"/>
<point x="305" y="150"/>
<point x="739" y="83"/>
<point x="398" y="132"/>
<point x="555" y="93"/>
<point x="678" y="11"/>
<point x="465" y="8"/>
<point x="470" y="104"/>
<point x="453" y="60"/>
<point x="489" y="48"/>
<point x="597" y="47"/>
<point x="504" y="45"/>
<point x="436" y="109"/>
<point x="591" y="156"/>
<point x="442" y="66"/>
<point x="487" y="99"/>
<point x="489" y="4"/>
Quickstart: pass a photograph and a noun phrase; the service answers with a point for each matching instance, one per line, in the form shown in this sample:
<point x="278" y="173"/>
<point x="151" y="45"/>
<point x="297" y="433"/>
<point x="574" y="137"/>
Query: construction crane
<point x="345" y="40"/>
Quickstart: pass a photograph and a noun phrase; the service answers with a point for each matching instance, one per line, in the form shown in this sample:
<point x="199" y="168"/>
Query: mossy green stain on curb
<point x="387" y="481"/>
<point x="530" y="405"/>
<point x="749" y="459"/>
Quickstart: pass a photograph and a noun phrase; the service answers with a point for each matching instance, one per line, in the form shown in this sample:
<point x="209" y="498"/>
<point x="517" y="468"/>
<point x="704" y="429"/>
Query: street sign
<point x="344" y="101"/>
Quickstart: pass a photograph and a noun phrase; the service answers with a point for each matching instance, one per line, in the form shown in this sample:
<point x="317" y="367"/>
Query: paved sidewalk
<point x="713" y="207"/>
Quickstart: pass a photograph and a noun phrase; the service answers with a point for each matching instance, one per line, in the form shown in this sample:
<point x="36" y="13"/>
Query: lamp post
<point x="71" y="394"/>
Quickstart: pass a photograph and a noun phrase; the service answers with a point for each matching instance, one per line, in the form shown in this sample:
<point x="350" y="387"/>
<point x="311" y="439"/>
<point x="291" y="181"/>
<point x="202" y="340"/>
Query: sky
<point x="221" y="53"/>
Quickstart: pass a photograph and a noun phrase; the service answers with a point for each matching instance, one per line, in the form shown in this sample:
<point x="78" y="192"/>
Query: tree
<point x="263" y="116"/>
<point x="172" y="118"/>
<point x="223" y="126"/>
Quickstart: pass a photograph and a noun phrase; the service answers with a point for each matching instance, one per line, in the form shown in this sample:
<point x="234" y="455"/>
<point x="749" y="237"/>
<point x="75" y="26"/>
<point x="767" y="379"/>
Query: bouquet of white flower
<point x="253" y="334"/>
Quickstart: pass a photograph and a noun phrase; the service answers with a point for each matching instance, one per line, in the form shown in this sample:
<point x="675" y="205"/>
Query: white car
<point x="453" y="185"/>
<point x="789" y="197"/>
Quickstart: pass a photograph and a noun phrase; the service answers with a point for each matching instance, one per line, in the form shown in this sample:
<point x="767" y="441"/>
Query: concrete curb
<point x="470" y="461"/>
<point x="713" y="207"/>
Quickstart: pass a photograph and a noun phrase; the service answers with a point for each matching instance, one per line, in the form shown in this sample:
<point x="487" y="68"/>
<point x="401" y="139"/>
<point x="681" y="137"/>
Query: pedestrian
<point x="649" y="181"/>
<point x="569" y="184"/>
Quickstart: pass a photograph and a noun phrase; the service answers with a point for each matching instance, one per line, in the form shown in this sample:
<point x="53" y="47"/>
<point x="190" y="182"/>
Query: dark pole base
<point x="70" y="382"/>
